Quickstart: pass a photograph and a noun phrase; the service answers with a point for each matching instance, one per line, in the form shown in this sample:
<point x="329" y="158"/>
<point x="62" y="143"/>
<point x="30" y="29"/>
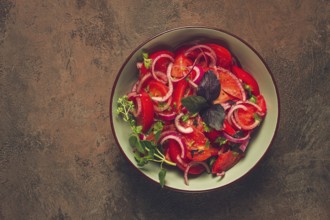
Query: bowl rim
<point x="175" y="29"/>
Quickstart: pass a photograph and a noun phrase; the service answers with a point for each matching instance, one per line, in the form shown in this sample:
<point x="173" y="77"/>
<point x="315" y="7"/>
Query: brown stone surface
<point x="58" y="157"/>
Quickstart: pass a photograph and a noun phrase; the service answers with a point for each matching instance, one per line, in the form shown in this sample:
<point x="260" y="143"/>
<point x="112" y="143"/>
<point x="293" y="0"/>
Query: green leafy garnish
<point x="144" y="150"/>
<point x="147" y="62"/>
<point x="221" y="140"/>
<point x="161" y="177"/>
<point x="253" y="99"/>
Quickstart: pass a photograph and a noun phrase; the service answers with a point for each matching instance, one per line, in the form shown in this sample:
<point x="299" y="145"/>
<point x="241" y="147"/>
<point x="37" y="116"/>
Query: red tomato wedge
<point x="225" y="161"/>
<point x="162" y="63"/>
<point x="180" y="65"/>
<point x="178" y="93"/>
<point x="146" y="117"/>
<point x="182" y="163"/>
<point x="247" y="78"/>
<point x="224" y="58"/>
<point x="262" y="103"/>
<point x="230" y="84"/>
<point x="156" y="88"/>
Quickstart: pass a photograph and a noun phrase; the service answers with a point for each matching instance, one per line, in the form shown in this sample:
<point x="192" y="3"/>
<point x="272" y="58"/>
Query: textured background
<point x="58" y="61"/>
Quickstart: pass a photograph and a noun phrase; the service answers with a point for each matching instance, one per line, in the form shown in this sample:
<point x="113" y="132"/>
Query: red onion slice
<point x="237" y="140"/>
<point x="139" y="65"/>
<point x="136" y="112"/>
<point x="191" y="164"/>
<point x="166" y="116"/>
<point x="200" y="47"/>
<point x="154" y="75"/>
<point x="246" y="127"/>
<point x="176" y="138"/>
<point x="222" y="174"/>
<point x="231" y="111"/>
<point x="212" y="61"/>
<point x="244" y="145"/>
<point x="180" y="128"/>
<point x="170" y="87"/>
<point x="164" y="107"/>
<point x="142" y="81"/>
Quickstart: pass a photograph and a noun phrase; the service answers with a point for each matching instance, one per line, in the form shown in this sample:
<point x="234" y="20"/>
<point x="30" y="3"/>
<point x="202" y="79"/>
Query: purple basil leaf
<point x="214" y="116"/>
<point x="209" y="87"/>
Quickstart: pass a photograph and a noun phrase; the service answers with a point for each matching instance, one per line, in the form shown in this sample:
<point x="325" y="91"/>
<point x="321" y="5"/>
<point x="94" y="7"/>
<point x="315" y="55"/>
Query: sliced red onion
<point x="167" y="116"/>
<point x="176" y="138"/>
<point x="180" y="128"/>
<point x="233" y="120"/>
<point x="164" y="107"/>
<point x="139" y="65"/>
<point x="225" y="106"/>
<point x="162" y="76"/>
<point x="212" y="62"/>
<point x="153" y="72"/>
<point x="222" y="174"/>
<point x="244" y="145"/>
<point x="199" y="74"/>
<point x="170" y="87"/>
<point x="192" y="84"/>
<point x="166" y="133"/>
<point x="136" y="112"/>
<point x="246" y="127"/>
<point x="231" y="111"/>
<point x="142" y="81"/>
<point x="191" y="164"/>
<point x="237" y="140"/>
<point x="200" y="47"/>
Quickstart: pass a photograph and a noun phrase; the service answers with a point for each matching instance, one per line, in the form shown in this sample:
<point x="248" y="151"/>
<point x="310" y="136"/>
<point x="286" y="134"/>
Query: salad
<point x="194" y="108"/>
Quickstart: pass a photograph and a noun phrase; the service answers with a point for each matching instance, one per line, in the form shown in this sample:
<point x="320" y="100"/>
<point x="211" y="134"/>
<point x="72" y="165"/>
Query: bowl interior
<point x="249" y="60"/>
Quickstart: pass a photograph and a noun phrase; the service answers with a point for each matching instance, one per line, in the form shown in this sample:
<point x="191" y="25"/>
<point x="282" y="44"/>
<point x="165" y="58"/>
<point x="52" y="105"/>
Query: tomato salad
<point x="194" y="108"/>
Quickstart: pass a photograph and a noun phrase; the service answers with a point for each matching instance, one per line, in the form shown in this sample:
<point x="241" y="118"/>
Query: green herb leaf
<point x="253" y="99"/>
<point x="214" y="116"/>
<point x="157" y="129"/>
<point x="209" y="87"/>
<point x="257" y="117"/>
<point x="195" y="104"/>
<point x="134" y="141"/>
<point x="147" y="62"/>
<point x="221" y="140"/>
<point x="161" y="176"/>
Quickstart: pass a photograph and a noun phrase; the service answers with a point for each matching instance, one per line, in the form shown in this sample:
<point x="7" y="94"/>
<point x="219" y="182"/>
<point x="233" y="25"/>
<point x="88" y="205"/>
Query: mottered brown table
<point x="58" y="156"/>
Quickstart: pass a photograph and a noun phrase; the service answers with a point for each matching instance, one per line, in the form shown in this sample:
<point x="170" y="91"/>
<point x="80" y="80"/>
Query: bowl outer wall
<point x="250" y="61"/>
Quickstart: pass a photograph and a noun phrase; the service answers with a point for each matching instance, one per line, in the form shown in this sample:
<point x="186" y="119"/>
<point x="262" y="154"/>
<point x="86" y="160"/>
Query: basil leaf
<point x="135" y="142"/>
<point x="195" y="104"/>
<point x="214" y="116"/>
<point x="209" y="87"/>
<point x="161" y="176"/>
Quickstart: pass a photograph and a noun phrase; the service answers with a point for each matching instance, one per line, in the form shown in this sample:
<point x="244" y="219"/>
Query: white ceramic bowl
<point x="250" y="61"/>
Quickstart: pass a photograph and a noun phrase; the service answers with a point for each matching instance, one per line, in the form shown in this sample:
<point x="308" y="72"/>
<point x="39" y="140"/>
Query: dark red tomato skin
<point x="162" y="63"/>
<point x="225" y="161"/>
<point x="146" y="117"/>
<point x="178" y="93"/>
<point x="228" y="128"/>
<point x="247" y="78"/>
<point x="175" y="152"/>
<point x="224" y="58"/>
<point x="156" y="88"/>
<point x="262" y="103"/>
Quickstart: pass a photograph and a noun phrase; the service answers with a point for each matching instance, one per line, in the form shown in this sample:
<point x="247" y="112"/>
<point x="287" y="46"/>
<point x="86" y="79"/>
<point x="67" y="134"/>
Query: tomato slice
<point x="230" y="84"/>
<point x="224" y="58"/>
<point x="262" y="103"/>
<point x="162" y="63"/>
<point x="228" y="128"/>
<point x="225" y="161"/>
<point x="156" y="88"/>
<point x="182" y="163"/>
<point x="180" y="65"/>
<point x="246" y="117"/>
<point x="247" y="78"/>
<point x="178" y="93"/>
<point x="146" y="117"/>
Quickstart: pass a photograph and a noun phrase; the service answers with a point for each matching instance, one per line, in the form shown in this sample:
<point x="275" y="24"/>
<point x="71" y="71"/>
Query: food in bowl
<point x="194" y="107"/>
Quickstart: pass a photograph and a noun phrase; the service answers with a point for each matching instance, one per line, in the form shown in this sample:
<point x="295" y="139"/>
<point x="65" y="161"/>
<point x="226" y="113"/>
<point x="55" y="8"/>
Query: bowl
<point x="249" y="59"/>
